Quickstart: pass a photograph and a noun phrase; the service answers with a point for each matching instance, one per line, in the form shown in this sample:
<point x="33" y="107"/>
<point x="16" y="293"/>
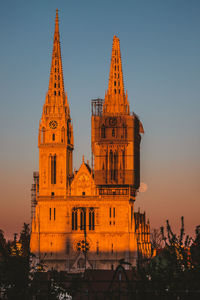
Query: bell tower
<point x="55" y="140"/>
<point x="115" y="134"/>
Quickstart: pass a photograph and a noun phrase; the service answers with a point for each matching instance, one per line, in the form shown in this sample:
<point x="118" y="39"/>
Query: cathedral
<point x="86" y="218"/>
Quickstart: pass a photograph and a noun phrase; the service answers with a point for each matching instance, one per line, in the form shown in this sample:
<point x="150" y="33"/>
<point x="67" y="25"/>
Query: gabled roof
<point x="83" y="183"/>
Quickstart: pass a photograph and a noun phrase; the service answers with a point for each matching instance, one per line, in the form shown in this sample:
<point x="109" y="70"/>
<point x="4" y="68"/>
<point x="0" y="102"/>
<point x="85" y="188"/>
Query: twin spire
<point x="116" y="102"/>
<point x="56" y="92"/>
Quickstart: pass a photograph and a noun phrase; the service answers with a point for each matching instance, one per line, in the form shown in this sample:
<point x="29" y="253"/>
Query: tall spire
<point x="56" y="92"/>
<point x="116" y="102"/>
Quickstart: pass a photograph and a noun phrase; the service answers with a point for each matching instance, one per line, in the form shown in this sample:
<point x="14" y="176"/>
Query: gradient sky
<point x="160" y="47"/>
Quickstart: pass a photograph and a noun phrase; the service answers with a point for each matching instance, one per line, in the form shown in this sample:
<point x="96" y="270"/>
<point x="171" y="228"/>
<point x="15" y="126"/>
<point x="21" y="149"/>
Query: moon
<point x="143" y="187"/>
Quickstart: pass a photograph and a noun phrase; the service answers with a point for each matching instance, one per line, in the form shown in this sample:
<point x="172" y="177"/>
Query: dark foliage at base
<point x="173" y="273"/>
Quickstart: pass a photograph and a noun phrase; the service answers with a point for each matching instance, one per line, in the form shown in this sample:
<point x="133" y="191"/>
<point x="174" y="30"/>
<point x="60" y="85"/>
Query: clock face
<point x="113" y="121"/>
<point x="53" y="124"/>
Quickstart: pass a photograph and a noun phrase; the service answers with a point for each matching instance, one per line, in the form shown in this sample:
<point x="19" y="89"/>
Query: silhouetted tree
<point x="174" y="266"/>
<point x="25" y="240"/>
<point x="15" y="265"/>
<point x="156" y="239"/>
<point x="195" y="248"/>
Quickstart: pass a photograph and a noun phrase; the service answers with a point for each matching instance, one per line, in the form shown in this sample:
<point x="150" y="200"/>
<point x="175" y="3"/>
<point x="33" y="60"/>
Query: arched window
<point x="106" y="166"/>
<point x="62" y="135"/>
<point x="91" y="219"/>
<point x="43" y="135"/>
<point x="82" y="219"/>
<point x="113" y="132"/>
<point x="111" y="165"/>
<point x="115" y="166"/>
<point x="74" y="219"/>
<point x="53" y="169"/>
<point x="103" y="131"/>
<point x="53" y="137"/>
<point x="125" y="131"/>
<point x="123" y="159"/>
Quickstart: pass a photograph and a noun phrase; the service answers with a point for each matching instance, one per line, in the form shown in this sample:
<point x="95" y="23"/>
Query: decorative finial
<point x="56" y="22"/>
<point x="83" y="159"/>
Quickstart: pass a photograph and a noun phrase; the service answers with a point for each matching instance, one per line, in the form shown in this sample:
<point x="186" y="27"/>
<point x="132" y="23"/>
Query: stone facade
<point x="86" y="219"/>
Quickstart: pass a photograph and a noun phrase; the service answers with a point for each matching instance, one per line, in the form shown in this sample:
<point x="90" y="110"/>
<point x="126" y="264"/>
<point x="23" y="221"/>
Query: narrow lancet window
<point x="113" y="132"/>
<point x="115" y="166"/>
<point x="74" y="219"/>
<point x="123" y="159"/>
<point x="53" y="169"/>
<point x="103" y="131"/>
<point x="83" y="220"/>
<point x="91" y="219"/>
<point x="43" y="135"/>
<point x="111" y="165"/>
<point x="63" y="135"/>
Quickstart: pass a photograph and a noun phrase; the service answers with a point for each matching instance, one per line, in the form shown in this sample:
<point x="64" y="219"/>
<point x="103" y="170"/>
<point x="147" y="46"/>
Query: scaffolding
<point x="97" y="107"/>
<point x="34" y="192"/>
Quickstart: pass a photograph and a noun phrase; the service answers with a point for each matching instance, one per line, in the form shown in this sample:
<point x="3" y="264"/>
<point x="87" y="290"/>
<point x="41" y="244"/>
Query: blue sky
<point x="160" y="48"/>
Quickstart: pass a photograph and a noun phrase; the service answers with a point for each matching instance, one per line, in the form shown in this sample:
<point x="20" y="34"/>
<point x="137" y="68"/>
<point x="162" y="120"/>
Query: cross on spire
<point x="116" y="102"/>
